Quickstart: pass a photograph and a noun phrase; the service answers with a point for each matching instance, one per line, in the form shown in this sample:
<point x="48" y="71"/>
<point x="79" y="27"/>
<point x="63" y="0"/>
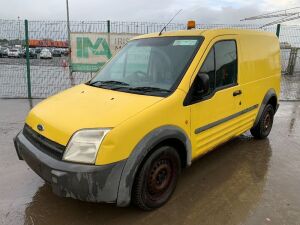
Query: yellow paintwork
<point x="132" y="116"/>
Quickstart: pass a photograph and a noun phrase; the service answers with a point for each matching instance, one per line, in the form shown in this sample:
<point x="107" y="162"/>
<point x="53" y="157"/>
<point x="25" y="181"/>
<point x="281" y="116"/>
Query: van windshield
<point x="152" y="66"/>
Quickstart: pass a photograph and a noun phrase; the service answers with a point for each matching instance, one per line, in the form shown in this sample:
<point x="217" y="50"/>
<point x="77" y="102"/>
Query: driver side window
<point x="220" y="66"/>
<point x="208" y="67"/>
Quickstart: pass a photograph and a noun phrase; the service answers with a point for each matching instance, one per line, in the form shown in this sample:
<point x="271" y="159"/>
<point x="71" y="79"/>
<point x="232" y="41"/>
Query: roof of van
<point x="208" y="32"/>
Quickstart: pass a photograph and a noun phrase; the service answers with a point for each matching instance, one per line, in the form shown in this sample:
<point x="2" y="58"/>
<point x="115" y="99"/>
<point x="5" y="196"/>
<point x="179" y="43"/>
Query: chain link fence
<point x="49" y="76"/>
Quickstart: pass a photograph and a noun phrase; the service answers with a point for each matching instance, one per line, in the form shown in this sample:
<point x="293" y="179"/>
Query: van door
<point x="213" y="113"/>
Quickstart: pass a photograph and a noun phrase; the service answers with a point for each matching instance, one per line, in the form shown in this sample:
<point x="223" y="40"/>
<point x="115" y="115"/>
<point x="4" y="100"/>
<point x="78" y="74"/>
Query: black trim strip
<point x="218" y="122"/>
<point x="42" y="143"/>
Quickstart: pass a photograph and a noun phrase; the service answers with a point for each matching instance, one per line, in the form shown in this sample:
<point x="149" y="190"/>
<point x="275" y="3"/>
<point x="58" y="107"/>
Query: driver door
<point x="211" y="112"/>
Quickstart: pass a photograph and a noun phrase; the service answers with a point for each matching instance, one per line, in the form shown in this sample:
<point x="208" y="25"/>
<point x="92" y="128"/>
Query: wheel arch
<point x="269" y="98"/>
<point x="165" y="135"/>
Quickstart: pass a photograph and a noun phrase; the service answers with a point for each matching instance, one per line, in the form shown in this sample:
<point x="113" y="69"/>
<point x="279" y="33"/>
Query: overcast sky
<point x="203" y="11"/>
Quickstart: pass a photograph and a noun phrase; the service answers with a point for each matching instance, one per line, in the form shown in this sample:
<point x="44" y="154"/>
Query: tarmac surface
<point x="244" y="181"/>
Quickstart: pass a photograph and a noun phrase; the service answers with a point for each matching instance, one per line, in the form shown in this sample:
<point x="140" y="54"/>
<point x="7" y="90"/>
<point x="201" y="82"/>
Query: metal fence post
<point x="108" y="26"/>
<point x="27" y="59"/>
<point x="108" y="32"/>
<point x="278" y="30"/>
<point x="69" y="46"/>
<point x="292" y="61"/>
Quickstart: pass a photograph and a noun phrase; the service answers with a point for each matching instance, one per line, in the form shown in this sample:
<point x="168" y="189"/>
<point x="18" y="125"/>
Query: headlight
<point x="83" y="146"/>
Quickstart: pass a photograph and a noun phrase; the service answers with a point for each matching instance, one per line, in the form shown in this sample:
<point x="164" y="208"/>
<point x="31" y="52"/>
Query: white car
<point x="46" y="54"/>
<point x="14" y="53"/>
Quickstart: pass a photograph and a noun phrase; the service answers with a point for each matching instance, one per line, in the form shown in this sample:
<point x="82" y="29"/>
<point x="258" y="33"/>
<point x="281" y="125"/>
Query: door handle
<point x="236" y="93"/>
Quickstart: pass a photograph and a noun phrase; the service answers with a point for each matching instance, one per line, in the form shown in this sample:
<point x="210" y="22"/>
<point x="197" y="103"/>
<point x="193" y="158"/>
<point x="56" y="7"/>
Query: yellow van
<point x="161" y="102"/>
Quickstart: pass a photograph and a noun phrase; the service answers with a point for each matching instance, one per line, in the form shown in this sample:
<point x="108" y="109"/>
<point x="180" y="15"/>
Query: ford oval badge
<point x="40" y="127"/>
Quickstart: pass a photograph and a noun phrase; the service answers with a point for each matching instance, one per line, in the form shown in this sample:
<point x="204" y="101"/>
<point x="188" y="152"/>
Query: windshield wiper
<point x="149" y="89"/>
<point x="108" y="82"/>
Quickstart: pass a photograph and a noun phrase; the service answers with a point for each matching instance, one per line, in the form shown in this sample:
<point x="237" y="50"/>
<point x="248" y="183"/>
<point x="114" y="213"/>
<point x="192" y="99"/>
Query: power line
<point x="284" y="15"/>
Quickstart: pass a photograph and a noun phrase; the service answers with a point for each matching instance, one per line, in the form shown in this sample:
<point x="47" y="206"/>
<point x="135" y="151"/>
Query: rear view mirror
<point x="202" y="84"/>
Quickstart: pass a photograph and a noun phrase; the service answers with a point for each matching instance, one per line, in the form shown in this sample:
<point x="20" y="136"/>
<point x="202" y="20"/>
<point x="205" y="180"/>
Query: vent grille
<point x="45" y="145"/>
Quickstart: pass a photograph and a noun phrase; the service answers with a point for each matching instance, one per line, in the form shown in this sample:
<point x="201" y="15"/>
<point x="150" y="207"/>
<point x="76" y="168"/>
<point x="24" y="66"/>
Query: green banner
<point x="90" y="51"/>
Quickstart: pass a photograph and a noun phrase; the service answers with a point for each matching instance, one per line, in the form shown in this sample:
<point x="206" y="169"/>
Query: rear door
<point x="212" y="114"/>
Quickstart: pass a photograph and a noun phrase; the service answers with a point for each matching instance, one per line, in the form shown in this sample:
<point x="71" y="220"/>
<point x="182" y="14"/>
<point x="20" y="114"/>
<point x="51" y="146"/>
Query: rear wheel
<point x="264" y="126"/>
<point x="157" y="178"/>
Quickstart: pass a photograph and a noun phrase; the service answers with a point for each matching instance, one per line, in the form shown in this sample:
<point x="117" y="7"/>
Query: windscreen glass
<point x="152" y="66"/>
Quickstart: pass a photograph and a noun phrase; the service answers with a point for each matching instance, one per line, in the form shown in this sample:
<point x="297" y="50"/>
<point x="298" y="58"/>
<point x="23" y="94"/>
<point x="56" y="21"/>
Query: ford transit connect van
<point x="161" y="102"/>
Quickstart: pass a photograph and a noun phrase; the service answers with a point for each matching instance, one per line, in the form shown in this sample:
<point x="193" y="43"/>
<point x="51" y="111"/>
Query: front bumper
<point x="79" y="181"/>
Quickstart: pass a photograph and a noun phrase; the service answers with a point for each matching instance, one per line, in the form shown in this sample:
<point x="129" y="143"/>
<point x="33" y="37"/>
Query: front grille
<point x="45" y="145"/>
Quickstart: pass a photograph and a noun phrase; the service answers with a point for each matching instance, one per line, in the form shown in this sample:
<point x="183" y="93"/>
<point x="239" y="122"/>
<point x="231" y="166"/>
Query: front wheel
<point x="264" y="126"/>
<point x="157" y="178"/>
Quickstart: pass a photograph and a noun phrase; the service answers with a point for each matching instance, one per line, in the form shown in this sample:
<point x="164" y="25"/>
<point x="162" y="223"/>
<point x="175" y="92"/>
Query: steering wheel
<point x="140" y="74"/>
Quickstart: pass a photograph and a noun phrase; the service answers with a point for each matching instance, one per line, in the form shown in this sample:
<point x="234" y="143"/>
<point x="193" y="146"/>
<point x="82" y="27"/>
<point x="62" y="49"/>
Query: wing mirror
<point x="202" y="87"/>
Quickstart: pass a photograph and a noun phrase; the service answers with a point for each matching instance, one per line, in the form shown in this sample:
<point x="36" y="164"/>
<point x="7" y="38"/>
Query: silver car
<point x="14" y="53"/>
<point x="46" y="54"/>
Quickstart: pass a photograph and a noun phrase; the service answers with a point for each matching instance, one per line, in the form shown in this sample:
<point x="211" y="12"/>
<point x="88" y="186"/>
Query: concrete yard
<point x="245" y="181"/>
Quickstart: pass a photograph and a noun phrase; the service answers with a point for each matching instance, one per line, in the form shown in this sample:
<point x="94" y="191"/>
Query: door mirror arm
<point x="203" y="84"/>
<point x="199" y="89"/>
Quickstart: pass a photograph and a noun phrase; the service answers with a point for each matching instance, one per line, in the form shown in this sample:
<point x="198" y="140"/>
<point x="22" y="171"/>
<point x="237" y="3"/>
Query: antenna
<point x="164" y="28"/>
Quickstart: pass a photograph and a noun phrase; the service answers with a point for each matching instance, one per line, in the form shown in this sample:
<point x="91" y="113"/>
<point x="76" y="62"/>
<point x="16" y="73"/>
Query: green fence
<point x="40" y="78"/>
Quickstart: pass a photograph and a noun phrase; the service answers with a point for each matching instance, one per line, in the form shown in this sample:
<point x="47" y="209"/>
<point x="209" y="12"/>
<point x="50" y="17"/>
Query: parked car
<point x="3" y="52"/>
<point x="125" y="135"/>
<point x="45" y="54"/>
<point x="38" y="50"/>
<point x="14" y="53"/>
<point x="65" y="51"/>
<point x="32" y="53"/>
<point x="56" y="53"/>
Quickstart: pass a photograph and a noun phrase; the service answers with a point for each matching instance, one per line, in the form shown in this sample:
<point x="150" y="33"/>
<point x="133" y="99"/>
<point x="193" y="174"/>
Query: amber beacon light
<point x="191" y="24"/>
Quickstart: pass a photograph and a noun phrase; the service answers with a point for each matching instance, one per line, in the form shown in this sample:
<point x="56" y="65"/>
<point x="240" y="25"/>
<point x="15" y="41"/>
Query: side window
<point x="226" y="63"/>
<point x="221" y="67"/>
<point x="208" y="67"/>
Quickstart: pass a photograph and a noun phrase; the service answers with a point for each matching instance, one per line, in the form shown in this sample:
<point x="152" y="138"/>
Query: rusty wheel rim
<point x="160" y="177"/>
<point x="267" y="122"/>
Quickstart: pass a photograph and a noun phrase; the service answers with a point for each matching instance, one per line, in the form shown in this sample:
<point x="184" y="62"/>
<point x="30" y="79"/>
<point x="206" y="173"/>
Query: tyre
<point x="264" y="126"/>
<point x="157" y="178"/>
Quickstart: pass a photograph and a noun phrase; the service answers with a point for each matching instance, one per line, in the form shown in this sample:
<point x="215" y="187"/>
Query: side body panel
<point x="260" y="70"/>
<point x="220" y="118"/>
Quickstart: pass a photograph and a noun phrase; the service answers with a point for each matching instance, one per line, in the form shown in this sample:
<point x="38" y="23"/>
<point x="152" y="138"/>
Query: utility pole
<point x="69" y="44"/>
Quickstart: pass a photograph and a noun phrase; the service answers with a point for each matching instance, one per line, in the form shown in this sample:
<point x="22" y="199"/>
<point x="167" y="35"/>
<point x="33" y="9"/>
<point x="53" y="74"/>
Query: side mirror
<point x="203" y="84"/>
